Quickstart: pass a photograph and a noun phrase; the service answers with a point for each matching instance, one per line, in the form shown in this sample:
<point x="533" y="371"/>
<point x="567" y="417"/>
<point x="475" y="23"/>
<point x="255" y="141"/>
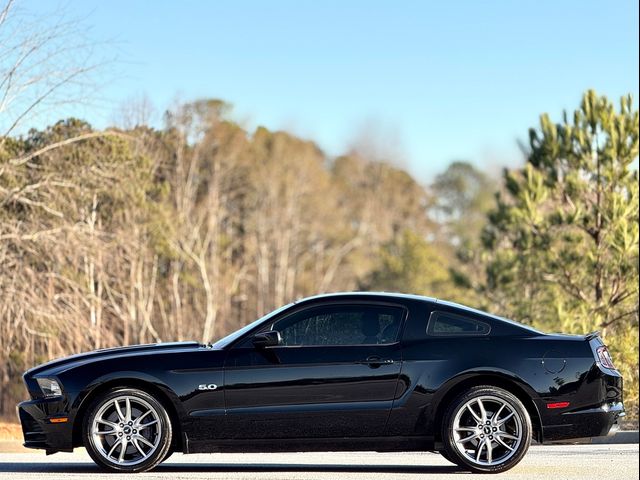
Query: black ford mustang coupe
<point x="351" y="371"/>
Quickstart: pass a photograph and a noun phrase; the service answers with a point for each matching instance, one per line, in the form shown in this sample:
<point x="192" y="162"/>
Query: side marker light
<point x="59" y="420"/>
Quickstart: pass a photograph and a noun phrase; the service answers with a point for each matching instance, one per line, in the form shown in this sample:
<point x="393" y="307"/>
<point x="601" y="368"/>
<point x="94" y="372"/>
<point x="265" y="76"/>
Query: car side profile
<point x="349" y="371"/>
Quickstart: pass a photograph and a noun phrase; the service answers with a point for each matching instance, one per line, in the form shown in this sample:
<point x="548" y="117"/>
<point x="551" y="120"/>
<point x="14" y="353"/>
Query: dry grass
<point x="10" y="431"/>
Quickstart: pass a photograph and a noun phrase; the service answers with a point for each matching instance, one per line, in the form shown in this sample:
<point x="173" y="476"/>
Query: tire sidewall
<point x="157" y="457"/>
<point x="449" y="441"/>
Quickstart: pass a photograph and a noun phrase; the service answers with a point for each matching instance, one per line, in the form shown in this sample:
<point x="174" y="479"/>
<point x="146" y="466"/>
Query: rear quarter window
<point x="447" y="324"/>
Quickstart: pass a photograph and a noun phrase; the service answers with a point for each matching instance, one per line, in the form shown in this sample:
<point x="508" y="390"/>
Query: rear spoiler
<point x="592" y="335"/>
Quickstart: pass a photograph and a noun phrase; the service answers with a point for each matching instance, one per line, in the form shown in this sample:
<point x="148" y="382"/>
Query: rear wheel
<point x="486" y="429"/>
<point x="169" y="453"/>
<point x="127" y="430"/>
<point x="446" y="456"/>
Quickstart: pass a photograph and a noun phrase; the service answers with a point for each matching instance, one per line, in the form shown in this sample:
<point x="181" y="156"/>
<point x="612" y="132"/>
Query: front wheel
<point x="486" y="429"/>
<point x="127" y="430"/>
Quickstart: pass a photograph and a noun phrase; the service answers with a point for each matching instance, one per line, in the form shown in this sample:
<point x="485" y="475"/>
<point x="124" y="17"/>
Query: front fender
<point x="127" y="379"/>
<point x="134" y="379"/>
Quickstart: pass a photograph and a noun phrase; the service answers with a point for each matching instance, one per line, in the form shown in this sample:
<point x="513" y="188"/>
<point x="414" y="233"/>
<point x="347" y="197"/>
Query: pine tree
<point x="562" y="242"/>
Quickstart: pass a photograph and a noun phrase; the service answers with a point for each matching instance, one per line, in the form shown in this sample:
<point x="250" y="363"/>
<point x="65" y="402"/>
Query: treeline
<point x="188" y="232"/>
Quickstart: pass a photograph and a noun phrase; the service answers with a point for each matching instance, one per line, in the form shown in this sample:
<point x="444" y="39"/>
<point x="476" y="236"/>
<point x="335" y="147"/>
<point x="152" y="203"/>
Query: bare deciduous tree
<point x="45" y="62"/>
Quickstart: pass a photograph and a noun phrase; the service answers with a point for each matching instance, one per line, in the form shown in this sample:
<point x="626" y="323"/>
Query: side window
<point x="341" y="325"/>
<point x="447" y="324"/>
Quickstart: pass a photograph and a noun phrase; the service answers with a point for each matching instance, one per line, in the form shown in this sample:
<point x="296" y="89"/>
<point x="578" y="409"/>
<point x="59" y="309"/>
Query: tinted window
<point x="442" y="323"/>
<point x="341" y="325"/>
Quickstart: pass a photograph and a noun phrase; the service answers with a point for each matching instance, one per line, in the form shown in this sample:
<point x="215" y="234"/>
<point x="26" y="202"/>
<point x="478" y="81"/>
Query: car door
<point x="334" y="374"/>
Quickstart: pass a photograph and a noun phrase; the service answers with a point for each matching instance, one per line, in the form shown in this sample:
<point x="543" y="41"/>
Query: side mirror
<point x="267" y="339"/>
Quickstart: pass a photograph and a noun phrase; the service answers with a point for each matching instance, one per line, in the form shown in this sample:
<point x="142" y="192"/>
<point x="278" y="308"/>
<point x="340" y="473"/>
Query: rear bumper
<point x="38" y="429"/>
<point x="592" y="422"/>
<point x="596" y="408"/>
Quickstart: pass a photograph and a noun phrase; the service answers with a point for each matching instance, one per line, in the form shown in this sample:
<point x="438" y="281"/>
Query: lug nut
<point x="120" y="434"/>
<point x="490" y="437"/>
<point x="128" y="437"/>
<point x="495" y="429"/>
<point x="130" y="423"/>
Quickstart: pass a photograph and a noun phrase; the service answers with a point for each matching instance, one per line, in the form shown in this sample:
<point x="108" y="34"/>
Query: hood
<point x="62" y="364"/>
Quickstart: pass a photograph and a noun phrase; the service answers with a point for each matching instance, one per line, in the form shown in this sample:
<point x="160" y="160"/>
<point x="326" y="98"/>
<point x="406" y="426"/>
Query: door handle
<point x="376" y="361"/>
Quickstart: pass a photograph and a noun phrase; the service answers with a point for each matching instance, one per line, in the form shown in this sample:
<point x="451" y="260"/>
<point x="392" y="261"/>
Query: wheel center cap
<point x="127" y="430"/>
<point x="487" y="429"/>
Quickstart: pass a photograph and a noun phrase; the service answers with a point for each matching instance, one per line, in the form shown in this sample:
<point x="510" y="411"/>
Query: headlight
<point x="49" y="387"/>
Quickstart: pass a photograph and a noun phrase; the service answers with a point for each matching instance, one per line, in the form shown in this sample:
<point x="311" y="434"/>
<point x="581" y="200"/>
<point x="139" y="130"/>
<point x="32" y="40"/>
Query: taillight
<point x="604" y="357"/>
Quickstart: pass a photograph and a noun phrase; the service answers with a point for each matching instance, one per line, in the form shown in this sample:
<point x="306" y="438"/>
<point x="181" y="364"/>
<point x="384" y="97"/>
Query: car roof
<point x="422" y="298"/>
<point x="367" y="294"/>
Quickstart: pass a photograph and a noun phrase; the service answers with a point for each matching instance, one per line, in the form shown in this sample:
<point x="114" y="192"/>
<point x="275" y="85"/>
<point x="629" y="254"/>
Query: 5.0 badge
<point x="207" y="386"/>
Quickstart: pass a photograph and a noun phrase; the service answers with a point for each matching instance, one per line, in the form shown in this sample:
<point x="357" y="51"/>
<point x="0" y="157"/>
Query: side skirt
<point x="375" y="444"/>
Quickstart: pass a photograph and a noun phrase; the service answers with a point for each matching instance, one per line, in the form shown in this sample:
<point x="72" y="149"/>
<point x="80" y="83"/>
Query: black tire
<point x="159" y="435"/>
<point x="446" y="456"/>
<point x="465" y="427"/>
<point x="169" y="453"/>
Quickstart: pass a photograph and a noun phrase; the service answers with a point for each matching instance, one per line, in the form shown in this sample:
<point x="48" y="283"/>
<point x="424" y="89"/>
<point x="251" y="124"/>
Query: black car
<point x="351" y="371"/>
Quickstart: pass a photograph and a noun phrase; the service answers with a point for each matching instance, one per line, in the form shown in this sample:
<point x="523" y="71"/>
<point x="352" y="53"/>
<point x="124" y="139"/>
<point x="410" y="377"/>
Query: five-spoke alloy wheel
<point x="486" y="429"/>
<point x="127" y="430"/>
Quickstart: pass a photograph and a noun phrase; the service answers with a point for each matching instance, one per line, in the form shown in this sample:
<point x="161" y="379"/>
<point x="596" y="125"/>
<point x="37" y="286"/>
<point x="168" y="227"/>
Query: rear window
<point x="451" y="324"/>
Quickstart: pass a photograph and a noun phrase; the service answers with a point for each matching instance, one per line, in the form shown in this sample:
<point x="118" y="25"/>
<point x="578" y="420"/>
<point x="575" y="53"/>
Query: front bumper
<point x="40" y="427"/>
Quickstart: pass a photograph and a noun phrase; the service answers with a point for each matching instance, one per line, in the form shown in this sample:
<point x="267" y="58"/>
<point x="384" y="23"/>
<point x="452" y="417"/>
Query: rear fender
<point x="495" y="377"/>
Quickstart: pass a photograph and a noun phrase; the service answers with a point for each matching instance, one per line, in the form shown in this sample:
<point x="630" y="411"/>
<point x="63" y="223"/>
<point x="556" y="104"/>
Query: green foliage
<point x="462" y="196"/>
<point x="561" y="246"/>
<point x="410" y="264"/>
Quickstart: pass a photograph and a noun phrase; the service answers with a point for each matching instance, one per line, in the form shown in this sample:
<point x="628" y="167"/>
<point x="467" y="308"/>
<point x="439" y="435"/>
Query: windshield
<point x="232" y="337"/>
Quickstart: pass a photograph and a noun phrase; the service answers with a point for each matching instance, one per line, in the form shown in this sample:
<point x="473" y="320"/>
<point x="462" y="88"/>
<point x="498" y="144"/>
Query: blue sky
<point x="429" y="81"/>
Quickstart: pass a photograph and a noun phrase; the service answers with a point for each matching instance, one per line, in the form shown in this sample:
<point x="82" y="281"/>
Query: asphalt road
<point x="599" y="462"/>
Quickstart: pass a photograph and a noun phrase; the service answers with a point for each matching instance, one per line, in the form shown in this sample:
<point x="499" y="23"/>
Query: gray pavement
<point x="599" y="462"/>
<point x="622" y="436"/>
